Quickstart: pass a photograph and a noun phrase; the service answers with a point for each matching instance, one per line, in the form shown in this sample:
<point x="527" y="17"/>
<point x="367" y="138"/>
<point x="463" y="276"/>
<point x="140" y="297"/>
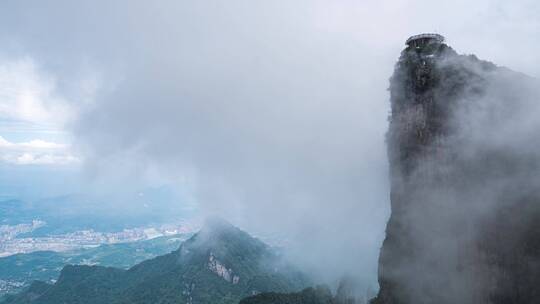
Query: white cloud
<point x="35" y="108"/>
<point x="36" y="152"/>
<point x="30" y="98"/>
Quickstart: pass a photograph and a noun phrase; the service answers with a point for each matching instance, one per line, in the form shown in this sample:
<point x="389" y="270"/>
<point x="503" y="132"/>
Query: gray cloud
<point x="271" y="113"/>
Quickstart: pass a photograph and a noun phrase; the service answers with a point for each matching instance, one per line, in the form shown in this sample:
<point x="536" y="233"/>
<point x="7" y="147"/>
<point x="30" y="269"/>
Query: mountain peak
<point x="219" y="237"/>
<point x="450" y="114"/>
<point x="217" y="230"/>
<point x="216" y="224"/>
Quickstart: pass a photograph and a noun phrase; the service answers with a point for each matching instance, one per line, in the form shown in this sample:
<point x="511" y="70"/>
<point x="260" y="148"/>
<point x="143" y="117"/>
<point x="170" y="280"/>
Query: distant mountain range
<point x="70" y="213"/>
<point x="219" y="264"/>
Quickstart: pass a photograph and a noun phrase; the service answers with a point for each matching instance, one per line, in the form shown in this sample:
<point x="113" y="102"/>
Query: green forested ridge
<point x="46" y="265"/>
<point x="347" y="292"/>
<point x="219" y="264"/>
<point x="317" y="295"/>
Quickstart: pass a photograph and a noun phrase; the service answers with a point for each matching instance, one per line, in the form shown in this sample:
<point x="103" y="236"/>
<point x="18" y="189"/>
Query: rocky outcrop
<point x="464" y="169"/>
<point x="218" y="268"/>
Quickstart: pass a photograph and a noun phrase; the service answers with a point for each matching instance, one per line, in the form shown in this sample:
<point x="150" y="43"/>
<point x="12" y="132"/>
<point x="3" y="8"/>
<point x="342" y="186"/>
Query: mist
<point x="270" y="114"/>
<point x="464" y="183"/>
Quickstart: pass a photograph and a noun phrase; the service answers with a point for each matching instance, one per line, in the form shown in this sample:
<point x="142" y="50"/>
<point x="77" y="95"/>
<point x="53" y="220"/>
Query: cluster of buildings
<point x="9" y="232"/>
<point x="7" y="286"/>
<point x="10" y="244"/>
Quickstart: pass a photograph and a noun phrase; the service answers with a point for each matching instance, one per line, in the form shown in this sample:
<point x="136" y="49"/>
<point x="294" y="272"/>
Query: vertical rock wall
<point x="465" y="208"/>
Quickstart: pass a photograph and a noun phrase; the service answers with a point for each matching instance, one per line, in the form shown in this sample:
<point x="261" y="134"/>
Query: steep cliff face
<point x="464" y="156"/>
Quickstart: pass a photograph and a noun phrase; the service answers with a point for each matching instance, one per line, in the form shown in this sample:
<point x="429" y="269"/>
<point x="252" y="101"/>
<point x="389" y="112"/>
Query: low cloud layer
<point x="35" y="152"/>
<point x="271" y="113"/>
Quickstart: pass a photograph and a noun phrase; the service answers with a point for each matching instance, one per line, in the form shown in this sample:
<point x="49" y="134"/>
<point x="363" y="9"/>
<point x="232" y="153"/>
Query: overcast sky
<point x="269" y="113"/>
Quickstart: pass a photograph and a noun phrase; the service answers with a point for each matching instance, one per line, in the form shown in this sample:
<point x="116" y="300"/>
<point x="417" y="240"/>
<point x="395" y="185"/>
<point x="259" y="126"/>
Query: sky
<point x="271" y="114"/>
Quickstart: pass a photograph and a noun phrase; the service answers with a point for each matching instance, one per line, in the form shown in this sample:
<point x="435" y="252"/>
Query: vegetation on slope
<point x="220" y="264"/>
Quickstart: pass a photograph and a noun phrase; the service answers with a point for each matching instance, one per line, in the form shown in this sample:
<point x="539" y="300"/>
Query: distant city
<point x="11" y="244"/>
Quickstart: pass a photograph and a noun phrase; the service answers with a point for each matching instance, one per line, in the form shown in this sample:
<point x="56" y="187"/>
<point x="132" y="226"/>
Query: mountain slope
<point x="32" y="292"/>
<point x="219" y="264"/>
<point x="46" y="265"/>
<point x="318" y="295"/>
<point x="346" y="293"/>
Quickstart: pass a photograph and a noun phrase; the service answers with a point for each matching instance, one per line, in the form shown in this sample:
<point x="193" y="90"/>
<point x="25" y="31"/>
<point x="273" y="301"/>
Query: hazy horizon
<point x="270" y="114"/>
